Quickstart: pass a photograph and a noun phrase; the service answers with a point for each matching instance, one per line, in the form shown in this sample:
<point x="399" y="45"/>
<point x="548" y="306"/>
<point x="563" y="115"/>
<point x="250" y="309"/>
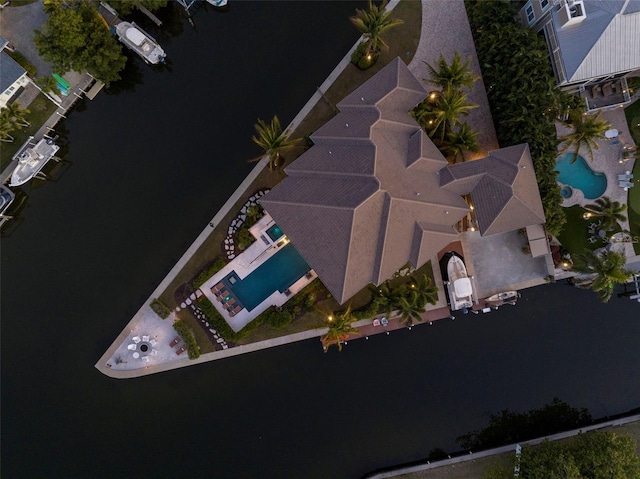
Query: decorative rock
<point x="231" y="256"/>
<point x="188" y="301"/>
<point x="193" y="296"/>
<point x="177" y="309"/>
<point x="226" y="241"/>
<point x="242" y="217"/>
<point x="198" y="293"/>
<point x="243" y="209"/>
<point x="230" y="230"/>
<point x="182" y="305"/>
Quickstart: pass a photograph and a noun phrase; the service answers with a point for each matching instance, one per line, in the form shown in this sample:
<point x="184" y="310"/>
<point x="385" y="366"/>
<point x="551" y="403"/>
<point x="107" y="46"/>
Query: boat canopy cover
<point x="135" y="35"/>
<point x="462" y="288"/>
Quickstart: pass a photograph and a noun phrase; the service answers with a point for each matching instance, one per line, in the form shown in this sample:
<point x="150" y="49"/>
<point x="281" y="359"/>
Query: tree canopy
<point x="124" y="7"/>
<point x="74" y="37"/>
<point x="592" y="455"/>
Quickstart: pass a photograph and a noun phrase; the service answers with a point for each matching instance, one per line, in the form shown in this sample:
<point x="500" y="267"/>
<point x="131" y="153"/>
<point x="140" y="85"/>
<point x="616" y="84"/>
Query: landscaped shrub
<point x="244" y="239"/>
<point x="522" y="94"/>
<point x="360" y="58"/>
<point x="23" y="62"/>
<point x="207" y="273"/>
<point x="189" y="340"/>
<point x="277" y="318"/>
<point x="221" y="325"/>
<point x="369" y="311"/>
<point x="160" y="308"/>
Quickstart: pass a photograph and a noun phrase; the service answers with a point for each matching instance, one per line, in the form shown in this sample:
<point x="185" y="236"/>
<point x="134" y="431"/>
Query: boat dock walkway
<point x="78" y="88"/>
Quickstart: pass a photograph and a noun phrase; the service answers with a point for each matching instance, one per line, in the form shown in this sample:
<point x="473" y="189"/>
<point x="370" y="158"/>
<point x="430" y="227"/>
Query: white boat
<point x="459" y="285"/>
<point x="31" y="159"/>
<point x="503" y="297"/>
<point x="140" y="42"/>
<point x="6" y="198"/>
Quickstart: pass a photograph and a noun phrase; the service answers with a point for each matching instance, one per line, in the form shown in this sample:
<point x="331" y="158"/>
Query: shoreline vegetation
<point x="209" y="256"/>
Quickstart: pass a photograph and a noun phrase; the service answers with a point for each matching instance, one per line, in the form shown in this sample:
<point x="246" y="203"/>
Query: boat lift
<point x="635" y="284"/>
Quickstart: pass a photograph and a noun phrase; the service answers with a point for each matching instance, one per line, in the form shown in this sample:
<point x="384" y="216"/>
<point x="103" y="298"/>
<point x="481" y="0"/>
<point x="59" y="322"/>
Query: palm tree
<point x="587" y="130"/>
<point x="274" y="142"/>
<point x="604" y="272"/>
<point x="17" y="114"/>
<point x="457" y="142"/>
<point x="373" y="23"/>
<point x="609" y="211"/>
<point x="410" y="309"/>
<point x="339" y="329"/>
<point x="444" y="112"/>
<point x="424" y="289"/>
<point x="389" y="297"/>
<point x="454" y="76"/>
<point x="7" y="126"/>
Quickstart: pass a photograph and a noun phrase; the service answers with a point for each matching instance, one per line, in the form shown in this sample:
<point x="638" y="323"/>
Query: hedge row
<point x="160" y="308"/>
<point x="207" y="273"/>
<point x="189" y="340"/>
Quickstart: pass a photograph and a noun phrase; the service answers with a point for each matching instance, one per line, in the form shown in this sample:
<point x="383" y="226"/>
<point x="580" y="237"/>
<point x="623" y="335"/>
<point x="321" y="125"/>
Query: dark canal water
<point x="148" y="168"/>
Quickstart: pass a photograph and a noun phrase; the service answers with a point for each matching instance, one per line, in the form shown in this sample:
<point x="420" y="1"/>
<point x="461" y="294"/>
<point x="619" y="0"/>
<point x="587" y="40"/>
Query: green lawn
<point x="575" y="234"/>
<point x="41" y="109"/>
<point x="632" y="113"/>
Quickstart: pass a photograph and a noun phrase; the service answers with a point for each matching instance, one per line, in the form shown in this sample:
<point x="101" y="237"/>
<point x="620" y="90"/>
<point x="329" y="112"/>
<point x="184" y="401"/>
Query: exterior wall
<point x="9" y="92"/>
<point x="534" y="11"/>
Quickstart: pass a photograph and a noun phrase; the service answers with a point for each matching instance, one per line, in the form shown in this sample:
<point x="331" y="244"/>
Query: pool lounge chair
<point x="235" y="311"/>
<point x="593" y="239"/>
<point x="625" y="177"/>
<point x="625" y="184"/>
<point x="218" y="287"/>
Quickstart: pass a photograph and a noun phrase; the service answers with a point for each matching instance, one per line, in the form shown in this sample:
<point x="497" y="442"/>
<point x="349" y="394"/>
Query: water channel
<point x="148" y="167"/>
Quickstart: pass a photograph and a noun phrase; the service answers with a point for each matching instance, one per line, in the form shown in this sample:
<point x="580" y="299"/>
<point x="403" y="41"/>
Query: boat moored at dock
<point x="31" y="159"/>
<point x="460" y="286"/>
<point x="6" y="198"/>
<point x="140" y="42"/>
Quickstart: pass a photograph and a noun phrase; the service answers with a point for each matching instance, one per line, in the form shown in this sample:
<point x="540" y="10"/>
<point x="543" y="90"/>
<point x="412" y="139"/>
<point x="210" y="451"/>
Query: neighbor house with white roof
<point x="593" y="45"/>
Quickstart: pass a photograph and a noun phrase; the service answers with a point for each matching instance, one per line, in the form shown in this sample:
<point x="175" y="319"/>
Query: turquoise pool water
<point x="578" y="175"/>
<point x="276" y="274"/>
<point x="275" y="233"/>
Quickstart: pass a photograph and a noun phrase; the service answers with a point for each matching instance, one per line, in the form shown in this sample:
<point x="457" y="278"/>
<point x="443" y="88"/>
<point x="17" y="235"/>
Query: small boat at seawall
<point x="459" y="284"/>
<point x="6" y="198"/>
<point x="140" y="42"/>
<point x="502" y="298"/>
<point x="31" y="159"/>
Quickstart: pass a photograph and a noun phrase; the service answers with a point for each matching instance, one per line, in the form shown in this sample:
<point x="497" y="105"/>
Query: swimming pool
<point x="276" y="274"/>
<point x="275" y="233"/>
<point x="578" y="175"/>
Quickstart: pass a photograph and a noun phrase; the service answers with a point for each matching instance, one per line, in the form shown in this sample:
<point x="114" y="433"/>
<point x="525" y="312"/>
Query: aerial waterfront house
<point x="592" y="45"/>
<point x="374" y="193"/>
<point x="12" y="76"/>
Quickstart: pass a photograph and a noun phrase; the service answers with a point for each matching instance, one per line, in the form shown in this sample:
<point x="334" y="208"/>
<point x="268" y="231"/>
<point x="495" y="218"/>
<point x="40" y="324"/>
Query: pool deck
<point x="608" y="161"/>
<point x="243" y="265"/>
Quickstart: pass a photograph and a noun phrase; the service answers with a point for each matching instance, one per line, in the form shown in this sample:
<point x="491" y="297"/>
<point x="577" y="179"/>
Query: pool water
<point x="275" y="233"/>
<point x="578" y="175"/>
<point x="276" y="274"/>
<point x="566" y="192"/>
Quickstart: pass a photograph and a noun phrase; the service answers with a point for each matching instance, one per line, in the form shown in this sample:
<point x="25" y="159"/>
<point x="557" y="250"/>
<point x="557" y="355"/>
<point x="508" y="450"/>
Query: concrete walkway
<point x="445" y="31"/>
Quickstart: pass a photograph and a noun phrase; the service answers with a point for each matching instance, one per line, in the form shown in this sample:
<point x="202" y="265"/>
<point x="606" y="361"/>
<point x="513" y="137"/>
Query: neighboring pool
<point x="276" y="274"/>
<point x="275" y="233"/>
<point x="578" y="175"/>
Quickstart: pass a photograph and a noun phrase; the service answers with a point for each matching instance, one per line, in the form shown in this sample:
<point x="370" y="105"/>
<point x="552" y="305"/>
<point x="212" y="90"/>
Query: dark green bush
<point x="244" y="239"/>
<point x="360" y="59"/>
<point x="207" y="273"/>
<point x="220" y="324"/>
<point x="189" y="340"/>
<point x="23" y="62"/>
<point x="160" y="308"/>
<point x="369" y="311"/>
<point x="277" y="319"/>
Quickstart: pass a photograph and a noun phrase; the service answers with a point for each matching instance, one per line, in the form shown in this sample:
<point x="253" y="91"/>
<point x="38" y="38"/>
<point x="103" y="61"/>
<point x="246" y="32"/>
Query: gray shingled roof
<point x="367" y="197"/>
<point x="503" y="189"/>
<point x="606" y="42"/>
<point x="10" y="71"/>
<point x="364" y="200"/>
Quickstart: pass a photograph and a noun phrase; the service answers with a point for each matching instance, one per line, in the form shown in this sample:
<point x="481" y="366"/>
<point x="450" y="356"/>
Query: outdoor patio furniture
<point x="612" y="133"/>
<point x="607" y="89"/>
<point x="132" y="347"/>
<point x="593" y="239"/>
<point x="231" y="301"/>
<point x="136" y="339"/>
<point x="175" y="341"/>
<point x="145" y="338"/>
<point x="625" y="177"/>
<point x="145" y="359"/>
<point x="376" y="322"/>
<point x="153" y="342"/>
<point x="181" y="350"/>
<point x="625" y="184"/>
<point x="136" y="355"/>
<point x="219" y="286"/>
<point x="593" y="227"/>
<point x="596" y="91"/>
